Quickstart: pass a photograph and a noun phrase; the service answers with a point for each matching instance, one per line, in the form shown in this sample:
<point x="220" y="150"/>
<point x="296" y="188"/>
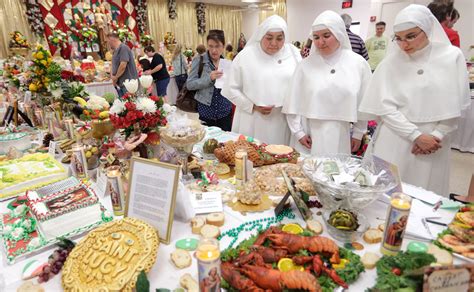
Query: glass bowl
<point x="346" y="235"/>
<point x="351" y="196"/>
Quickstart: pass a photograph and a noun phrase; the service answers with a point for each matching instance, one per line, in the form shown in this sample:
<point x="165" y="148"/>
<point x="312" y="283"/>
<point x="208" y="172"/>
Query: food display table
<point x="101" y="88"/>
<point x="463" y="139"/>
<point x="165" y="275"/>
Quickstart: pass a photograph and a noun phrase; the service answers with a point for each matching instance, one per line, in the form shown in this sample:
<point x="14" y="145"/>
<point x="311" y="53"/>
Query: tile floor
<point x="462" y="168"/>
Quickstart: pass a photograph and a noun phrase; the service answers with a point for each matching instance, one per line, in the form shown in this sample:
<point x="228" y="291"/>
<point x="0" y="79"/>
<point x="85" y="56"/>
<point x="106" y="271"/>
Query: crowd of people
<point x="318" y="99"/>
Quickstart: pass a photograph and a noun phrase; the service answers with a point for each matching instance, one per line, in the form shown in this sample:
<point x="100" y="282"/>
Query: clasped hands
<point x="426" y="144"/>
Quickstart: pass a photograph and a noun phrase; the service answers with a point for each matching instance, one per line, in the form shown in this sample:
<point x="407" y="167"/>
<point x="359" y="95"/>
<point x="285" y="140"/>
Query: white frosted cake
<point x="21" y="141"/>
<point x="66" y="211"/>
<point x="29" y="172"/>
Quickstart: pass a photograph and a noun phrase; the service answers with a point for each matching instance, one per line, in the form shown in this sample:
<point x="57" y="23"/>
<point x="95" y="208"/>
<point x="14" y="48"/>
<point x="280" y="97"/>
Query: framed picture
<point x="152" y="194"/>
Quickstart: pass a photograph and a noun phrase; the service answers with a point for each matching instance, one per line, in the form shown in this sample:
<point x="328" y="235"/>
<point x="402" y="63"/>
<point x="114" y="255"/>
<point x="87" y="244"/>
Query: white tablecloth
<point x="165" y="275"/>
<point x="100" y="88"/>
<point x="463" y="139"/>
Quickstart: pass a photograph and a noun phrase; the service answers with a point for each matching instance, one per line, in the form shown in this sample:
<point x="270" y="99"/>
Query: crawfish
<point x="268" y="254"/>
<point x="318" y="267"/>
<point x="313" y="244"/>
<point x="236" y="280"/>
<point x="252" y="257"/>
<point x="276" y="280"/>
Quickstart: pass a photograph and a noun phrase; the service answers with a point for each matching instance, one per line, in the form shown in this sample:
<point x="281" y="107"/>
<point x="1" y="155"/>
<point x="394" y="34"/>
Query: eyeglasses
<point x="409" y="38"/>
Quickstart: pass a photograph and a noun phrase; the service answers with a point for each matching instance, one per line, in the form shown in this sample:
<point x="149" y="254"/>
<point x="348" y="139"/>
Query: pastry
<point x="181" y="258"/>
<point x="30" y="287"/>
<point x="278" y="149"/>
<point x="196" y="224"/>
<point x="250" y="194"/>
<point x="369" y="260"/>
<point x="373" y="236"/>
<point x="314" y="226"/>
<point x="210" y="231"/>
<point x="443" y="257"/>
<point x="270" y="179"/>
<point x="188" y="283"/>
<point x="216" y="219"/>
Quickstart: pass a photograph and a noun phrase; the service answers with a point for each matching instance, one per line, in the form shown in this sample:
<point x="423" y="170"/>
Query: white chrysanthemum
<point x="57" y="93"/>
<point x="117" y="107"/>
<point x="146" y="105"/>
<point x="96" y="102"/>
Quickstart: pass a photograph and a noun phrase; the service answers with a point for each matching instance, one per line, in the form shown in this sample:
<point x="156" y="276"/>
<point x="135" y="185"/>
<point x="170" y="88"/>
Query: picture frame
<point x="153" y="182"/>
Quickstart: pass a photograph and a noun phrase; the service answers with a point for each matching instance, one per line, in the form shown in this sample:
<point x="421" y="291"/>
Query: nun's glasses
<point x="409" y="38"/>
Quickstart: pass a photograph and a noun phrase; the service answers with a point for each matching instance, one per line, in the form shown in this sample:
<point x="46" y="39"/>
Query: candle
<point x="240" y="161"/>
<point x="69" y="128"/>
<point x="208" y="256"/>
<point x="115" y="188"/>
<point x="79" y="161"/>
<point x="395" y="223"/>
<point x="39" y="118"/>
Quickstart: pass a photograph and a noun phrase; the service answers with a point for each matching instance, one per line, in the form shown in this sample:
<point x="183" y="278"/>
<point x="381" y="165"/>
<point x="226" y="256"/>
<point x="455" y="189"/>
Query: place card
<point x="449" y="279"/>
<point x="207" y="202"/>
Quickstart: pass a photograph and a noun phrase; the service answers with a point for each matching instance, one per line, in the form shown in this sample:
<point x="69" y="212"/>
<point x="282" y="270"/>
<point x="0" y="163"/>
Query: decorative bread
<point x="373" y="235"/>
<point x="381" y="227"/>
<point x="443" y="257"/>
<point x="216" y="219"/>
<point x="196" y="224"/>
<point x="210" y="231"/>
<point x="314" y="226"/>
<point x="188" y="283"/>
<point x="181" y="258"/>
<point x="279" y="149"/>
<point x="369" y="259"/>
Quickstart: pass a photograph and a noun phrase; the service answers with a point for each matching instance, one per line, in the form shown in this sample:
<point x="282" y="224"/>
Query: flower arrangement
<point x="41" y="62"/>
<point x="82" y="33"/>
<point x="124" y="33"/>
<point x="95" y="108"/>
<point x="18" y="40"/>
<point x="172" y="9"/>
<point x="146" y="40"/>
<point x="188" y="53"/>
<point x="169" y="39"/>
<point x="58" y="38"/>
<point x="201" y="17"/>
<point x="142" y="16"/>
<point x="35" y="19"/>
<point x="142" y="111"/>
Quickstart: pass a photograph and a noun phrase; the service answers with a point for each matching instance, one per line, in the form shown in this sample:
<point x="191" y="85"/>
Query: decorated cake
<point x="64" y="211"/>
<point x="21" y="141"/>
<point x="110" y="257"/>
<point x="28" y="172"/>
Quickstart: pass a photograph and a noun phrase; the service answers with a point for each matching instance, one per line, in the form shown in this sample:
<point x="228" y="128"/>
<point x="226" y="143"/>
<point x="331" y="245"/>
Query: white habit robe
<point x="422" y="93"/>
<point x="260" y="79"/>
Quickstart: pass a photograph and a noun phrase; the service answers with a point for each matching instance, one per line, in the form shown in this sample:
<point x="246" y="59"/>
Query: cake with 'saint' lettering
<point x="110" y="257"/>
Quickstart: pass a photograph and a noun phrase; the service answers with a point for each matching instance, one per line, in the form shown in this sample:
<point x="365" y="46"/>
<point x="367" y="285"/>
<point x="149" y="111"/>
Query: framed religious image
<point x="95" y="47"/>
<point x="152" y="194"/>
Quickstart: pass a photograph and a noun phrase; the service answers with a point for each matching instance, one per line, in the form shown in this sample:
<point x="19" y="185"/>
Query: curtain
<point x="279" y="8"/>
<point x="184" y="27"/>
<point x="13" y="17"/>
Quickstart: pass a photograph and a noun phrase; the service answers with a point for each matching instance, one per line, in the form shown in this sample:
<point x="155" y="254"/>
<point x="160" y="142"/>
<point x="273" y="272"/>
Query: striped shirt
<point x="357" y="44"/>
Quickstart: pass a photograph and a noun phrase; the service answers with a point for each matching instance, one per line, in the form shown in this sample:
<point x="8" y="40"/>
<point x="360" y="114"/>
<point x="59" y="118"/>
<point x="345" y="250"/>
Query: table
<point x="165" y="275"/>
<point x="100" y="88"/>
<point x="463" y="139"/>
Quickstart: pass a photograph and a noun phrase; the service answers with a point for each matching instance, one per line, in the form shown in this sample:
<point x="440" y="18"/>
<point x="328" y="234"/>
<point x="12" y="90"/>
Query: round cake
<point x="110" y="257"/>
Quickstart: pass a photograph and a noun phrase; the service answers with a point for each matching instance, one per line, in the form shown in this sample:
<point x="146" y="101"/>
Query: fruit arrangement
<point x="18" y="40"/>
<point x="56" y="260"/>
<point x="288" y="257"/>
<point x="41" y="61"/>
<point x="459" y="237"/>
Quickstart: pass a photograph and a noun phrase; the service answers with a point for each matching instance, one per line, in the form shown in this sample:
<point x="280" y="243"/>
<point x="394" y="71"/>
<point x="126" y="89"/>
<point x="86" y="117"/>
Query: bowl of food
<point x="345" y="225"/>
<point x="350" y="182"/>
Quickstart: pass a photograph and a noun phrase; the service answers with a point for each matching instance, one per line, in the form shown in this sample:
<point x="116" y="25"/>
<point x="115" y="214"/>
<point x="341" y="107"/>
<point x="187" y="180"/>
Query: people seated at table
<point x="418" y="92"/>
<point x="259" y="81"/>
<point x="325" y="92"/>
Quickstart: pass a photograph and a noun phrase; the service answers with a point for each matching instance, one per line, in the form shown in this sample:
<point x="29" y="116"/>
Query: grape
<point x="56" y="254"/>
<point x="64" y="253"/>
<point x="45" y="277"/>
<point x="314" y="204"/>
<point x="58" y="265"/>
<point x="46" y="269"/>
<point x="51" y="260"/>
<point x="55" y="270"/>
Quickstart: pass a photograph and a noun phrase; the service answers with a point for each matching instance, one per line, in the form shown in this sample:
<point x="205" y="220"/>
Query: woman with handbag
<point x="213" y="108"/>
<point x="326" y="90"/>
<point x="259" y="81"/>
<point x="180" y="67"/>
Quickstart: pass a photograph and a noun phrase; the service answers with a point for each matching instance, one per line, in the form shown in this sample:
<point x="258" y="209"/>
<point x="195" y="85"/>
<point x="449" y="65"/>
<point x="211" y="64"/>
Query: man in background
<point x="357" y="44"/>
<point x="377" y="45"/>
<point x="123" y="63"/>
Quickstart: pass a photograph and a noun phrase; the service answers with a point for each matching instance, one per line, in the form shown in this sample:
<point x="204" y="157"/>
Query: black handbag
<point x="185" y="100"/>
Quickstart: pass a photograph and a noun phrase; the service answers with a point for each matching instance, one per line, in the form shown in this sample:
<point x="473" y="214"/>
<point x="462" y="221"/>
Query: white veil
<point x="332" y="21"/>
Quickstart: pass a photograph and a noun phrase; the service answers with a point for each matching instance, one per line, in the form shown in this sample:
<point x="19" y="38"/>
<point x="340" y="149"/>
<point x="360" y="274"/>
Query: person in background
<point x="377" y="45"/>
<point x="213" y="108"/>
<point x="357" y="44"/>
<point x="326" y="90"/>
<point x="229" y="52"/>
<point x="123" y="63"/>
<point x="418" y="92"/>
<point x="443" y="13"/>
<point x="454" y="18"/>
<point x="259" y="81"/>
<point x="158" y="71"/>
<point x="200" y="49"/>
<point x="242" y="43"/>
<point x="144" y="63"/>
<point x="179" y="66"/>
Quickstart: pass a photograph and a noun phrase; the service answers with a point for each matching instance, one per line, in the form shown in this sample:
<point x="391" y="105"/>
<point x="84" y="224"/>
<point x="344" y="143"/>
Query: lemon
<point x="292" y="228"/>
<point x="94" y="150"/>
<point x="88" y="154"/>
<point x="341" y="265"/>
<point x="286" y="265"/>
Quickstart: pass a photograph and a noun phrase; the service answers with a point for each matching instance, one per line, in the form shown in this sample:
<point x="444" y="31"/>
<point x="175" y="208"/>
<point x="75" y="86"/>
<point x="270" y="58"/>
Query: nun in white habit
<point x="259" y="81"/>
<point x="418" y="91"/>
<point x="326" y="90"/>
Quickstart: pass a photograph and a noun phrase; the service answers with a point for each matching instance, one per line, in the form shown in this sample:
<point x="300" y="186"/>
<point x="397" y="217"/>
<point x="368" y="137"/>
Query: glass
<point x="410" y="38"/>
<point x="208" y="256"/>
<point x="395" y="223"/>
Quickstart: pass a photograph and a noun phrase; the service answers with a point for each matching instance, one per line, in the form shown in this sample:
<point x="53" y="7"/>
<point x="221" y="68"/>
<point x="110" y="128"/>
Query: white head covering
<point x="429" y="85"/>
<point x="273" y="23"/>
<point x="332" y="21"/>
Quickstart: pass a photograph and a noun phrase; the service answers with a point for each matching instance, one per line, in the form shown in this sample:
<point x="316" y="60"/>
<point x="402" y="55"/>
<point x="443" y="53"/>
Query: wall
<point x="250" y="21"/>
